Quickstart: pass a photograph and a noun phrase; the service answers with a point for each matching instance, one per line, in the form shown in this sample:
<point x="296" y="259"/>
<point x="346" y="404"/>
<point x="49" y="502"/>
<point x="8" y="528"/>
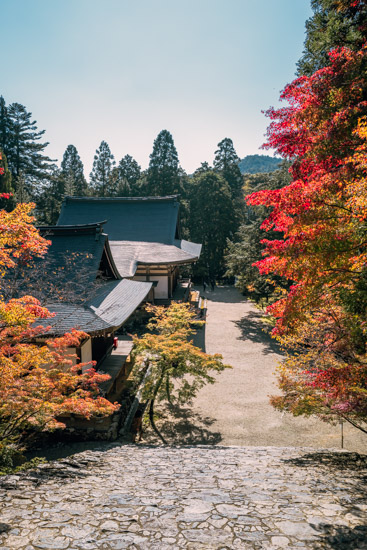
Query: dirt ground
<point x="236" y="410"/>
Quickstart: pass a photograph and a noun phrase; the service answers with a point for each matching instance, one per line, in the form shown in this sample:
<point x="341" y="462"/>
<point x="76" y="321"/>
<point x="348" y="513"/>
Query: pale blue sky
<point x="122" y="70"/>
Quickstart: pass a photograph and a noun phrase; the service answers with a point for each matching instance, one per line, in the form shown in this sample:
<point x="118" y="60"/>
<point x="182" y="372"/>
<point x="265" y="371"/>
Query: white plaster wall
<point x="161" y="290"/>
<point x="86" y="353"/>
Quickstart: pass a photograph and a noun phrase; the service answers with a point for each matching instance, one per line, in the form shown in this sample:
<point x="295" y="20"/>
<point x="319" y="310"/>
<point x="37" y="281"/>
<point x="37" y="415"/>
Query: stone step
<point x="202" y="497"/>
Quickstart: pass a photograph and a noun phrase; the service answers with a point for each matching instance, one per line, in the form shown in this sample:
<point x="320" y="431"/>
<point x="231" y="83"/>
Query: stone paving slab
<point x="201" y="497"/>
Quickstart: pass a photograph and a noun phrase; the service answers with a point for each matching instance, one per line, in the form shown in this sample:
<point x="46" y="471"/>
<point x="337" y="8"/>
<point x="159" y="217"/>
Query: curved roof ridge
<point x="72" y="227"/>
<point x="122" y="199"/>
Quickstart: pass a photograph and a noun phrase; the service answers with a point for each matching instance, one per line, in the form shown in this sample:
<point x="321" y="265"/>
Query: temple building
<point x="144" y="236"/>
<point x="107" y="257"/>
<point x="82" y="288"/>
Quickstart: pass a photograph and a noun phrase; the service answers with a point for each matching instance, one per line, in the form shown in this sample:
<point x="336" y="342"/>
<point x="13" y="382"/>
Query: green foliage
<point x="30" y="170"/>
<point x="10" y="456"/>
<point x="204" y="167"/>
<point x="334" y="23"/>
<point x="129" y="173"/>
<point x="72" y="172"/>
<point x="255" y="164"/>
<point x="211" y="220"/>
<point x="21" y="194"/>
<point x="226" y="164"/>
<point x="246" y="248"/>
<point x="21" y="143"/>
<point x="174" y="368"/>
<point x="12" y="459"/>
<point x="50" y="199"/>
<point x="69" y="180"/>
<point x="241" y="256"/>
<point x="100" y="178"/>
<point x="163" y="177"/>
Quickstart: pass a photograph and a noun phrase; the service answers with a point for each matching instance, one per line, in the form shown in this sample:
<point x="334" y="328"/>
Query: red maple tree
<point x="38" y="382"/>
<point x="321" y="217"/>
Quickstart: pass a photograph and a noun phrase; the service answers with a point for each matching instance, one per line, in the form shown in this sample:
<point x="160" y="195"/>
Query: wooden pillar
<point x="170" y="286"/>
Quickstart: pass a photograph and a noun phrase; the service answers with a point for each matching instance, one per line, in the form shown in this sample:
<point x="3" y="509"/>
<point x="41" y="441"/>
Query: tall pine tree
<point x="72" y="170"/>
<point x="22" y="147"/>
<point x="226" y="163"/>
<point x="100" y="177"/>
<point x="334" y="23"/>
<point x="22" y="193"/>
<point x="129" y="173"/>
<point x="211" y="221"/>
<point x="69" y="180"/>
<point x="204" y="167"/>
<point x="163" y="176"/>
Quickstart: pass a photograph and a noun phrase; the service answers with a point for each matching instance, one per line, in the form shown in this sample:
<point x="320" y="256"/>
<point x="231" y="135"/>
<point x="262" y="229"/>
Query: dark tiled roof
<point x="75" y="248"/>
<point x="69" y="316"/>
<point x="110" y="307"/>
<point x="141" y="230"/>
<point x="152" y="219"/>
<point x="115" y="301"/>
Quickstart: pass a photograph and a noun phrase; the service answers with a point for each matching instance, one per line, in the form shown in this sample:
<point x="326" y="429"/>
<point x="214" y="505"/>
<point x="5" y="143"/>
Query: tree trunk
<point x="169" y="399"/>
<point x="354" y="424"/>
<point x="151" y="408"/>
<point x="151" y="419"/>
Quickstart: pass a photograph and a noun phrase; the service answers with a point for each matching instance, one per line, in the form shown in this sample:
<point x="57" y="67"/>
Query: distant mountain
<point x="254" y="164"/>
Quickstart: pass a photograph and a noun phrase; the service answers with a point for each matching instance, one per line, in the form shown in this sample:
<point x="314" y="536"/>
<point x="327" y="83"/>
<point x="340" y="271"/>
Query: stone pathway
<point x="200" y="497"/>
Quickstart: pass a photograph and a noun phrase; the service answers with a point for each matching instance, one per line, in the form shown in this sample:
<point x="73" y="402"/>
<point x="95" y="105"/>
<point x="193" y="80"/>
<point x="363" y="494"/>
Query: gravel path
<point x="167" y="498"/>
<point x="236" y="410"/>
